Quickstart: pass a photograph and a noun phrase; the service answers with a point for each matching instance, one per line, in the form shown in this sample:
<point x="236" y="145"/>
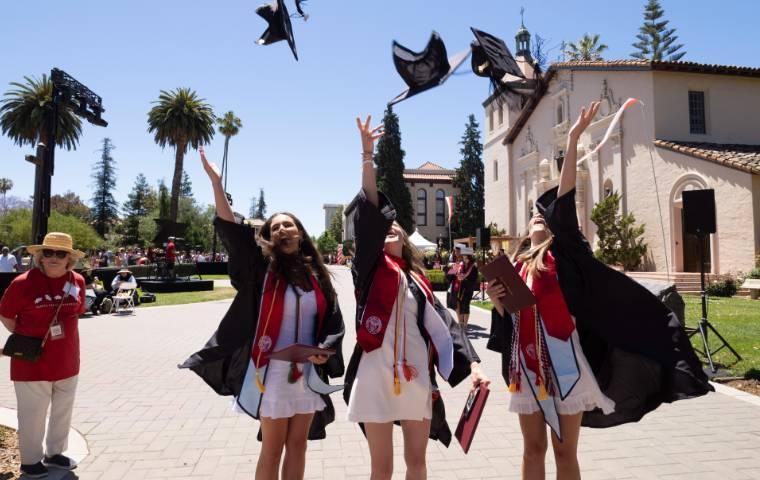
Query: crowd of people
<point x="129" y="256"/>
<point x="595" y="348"/>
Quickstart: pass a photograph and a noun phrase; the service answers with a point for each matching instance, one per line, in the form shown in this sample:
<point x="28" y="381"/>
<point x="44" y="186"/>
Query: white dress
<point x="372" y="395"/>
<point x="282" y="399"/>
<point x="585" y="395"/>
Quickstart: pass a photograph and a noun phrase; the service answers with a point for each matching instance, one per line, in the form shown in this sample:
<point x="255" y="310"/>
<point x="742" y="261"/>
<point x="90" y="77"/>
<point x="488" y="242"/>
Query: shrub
<point x="754" y="273"/>
<point x="437" y="279"/>
<point x="722" y="288"/>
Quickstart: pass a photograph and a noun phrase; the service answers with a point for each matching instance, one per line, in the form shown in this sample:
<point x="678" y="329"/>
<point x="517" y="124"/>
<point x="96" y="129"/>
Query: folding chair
<point x="123" y="300"/>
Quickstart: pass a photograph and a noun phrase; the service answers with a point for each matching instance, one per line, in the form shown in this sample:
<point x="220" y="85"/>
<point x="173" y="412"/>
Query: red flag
<point x="450" y="206"/>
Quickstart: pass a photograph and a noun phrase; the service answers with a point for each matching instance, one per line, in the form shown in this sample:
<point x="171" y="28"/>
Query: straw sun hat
<point x="56" y="241"/>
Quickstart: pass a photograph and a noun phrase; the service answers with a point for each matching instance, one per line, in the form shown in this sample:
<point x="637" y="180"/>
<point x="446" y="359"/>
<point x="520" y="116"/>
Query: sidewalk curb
<point x="736" y="393"/>
<point x="77" y="449"/>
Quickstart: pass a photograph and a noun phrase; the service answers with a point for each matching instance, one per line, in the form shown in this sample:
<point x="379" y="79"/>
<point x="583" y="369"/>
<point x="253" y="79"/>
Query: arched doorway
<point x="685" y="246"/>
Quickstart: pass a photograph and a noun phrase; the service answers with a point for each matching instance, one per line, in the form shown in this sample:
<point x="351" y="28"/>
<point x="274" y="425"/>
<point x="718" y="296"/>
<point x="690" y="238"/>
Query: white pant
<point x="33" y="400"/>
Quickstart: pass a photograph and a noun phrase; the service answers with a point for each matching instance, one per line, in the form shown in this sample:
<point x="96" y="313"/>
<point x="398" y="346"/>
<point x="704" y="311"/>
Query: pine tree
<point x="656" y="41"/>
<point x="105" y="209"/>
<point x="252" y="211"/>
<point x="336" y="225"/>
<point x="469" y="203"/>
<point x="389" y="159"/>
<point x="619" y="237"/>
<point x="140" y="201"/>
<point x="186" y="187"/>
<point x="163" y="200"/>
<point x="261" y="206"/>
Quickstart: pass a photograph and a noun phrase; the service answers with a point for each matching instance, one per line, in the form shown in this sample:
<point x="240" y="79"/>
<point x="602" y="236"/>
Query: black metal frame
<point x="704" y="326"/>
<point x="90" y="107"/>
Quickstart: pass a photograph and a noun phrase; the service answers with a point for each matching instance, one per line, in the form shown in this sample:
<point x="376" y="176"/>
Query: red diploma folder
<point x="299" y="353"/>
<point x="518" y="294"/>
<point x="470" y="418"/>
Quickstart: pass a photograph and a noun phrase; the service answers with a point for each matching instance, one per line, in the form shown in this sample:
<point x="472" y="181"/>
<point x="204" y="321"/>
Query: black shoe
<point x="37" y="470"/>
<point x="59" y="461"/>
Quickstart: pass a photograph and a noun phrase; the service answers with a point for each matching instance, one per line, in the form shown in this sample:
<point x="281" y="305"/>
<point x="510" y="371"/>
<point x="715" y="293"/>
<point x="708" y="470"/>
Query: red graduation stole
<point x="554" y="313"/>
<point x="270" y="316"/>
<point x="381" y="299"/>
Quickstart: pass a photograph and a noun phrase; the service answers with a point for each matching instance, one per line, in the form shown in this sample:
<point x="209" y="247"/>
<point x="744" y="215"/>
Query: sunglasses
<point x="57" y="253"/>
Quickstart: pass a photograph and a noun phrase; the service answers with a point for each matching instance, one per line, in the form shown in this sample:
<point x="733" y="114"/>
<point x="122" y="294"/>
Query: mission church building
<point x="699" y="129"/>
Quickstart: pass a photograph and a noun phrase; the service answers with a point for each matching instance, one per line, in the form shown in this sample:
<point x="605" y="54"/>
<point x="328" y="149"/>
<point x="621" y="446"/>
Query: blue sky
<point x="299" y="140"/>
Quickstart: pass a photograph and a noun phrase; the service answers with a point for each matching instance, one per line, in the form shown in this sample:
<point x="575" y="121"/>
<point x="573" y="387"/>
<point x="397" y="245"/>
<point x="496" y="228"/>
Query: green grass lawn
<point x="216" y="277"/>
<point x="737" y="319"/>
<point x="181" y="298"/>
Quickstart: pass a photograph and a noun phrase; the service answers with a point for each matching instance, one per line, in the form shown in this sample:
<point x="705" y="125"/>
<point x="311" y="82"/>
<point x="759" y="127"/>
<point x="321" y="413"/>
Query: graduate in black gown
<point x="284" y="296"/>
<point x="597" y="350"/>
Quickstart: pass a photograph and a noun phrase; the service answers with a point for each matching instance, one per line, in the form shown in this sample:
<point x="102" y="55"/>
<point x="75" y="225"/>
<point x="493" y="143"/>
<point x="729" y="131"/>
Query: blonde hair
<point x="532" y="256"/>
<point x="71" y="261"/>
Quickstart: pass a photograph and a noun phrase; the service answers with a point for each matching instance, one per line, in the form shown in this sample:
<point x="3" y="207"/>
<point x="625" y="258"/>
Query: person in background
<point x="8" y="262"/>
<point x="467" y="283"/>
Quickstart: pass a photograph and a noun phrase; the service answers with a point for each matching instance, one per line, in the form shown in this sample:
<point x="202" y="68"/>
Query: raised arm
<point x="567" y="175"/>
<point x="223" y="208"/>
<point x="368" y="136"/>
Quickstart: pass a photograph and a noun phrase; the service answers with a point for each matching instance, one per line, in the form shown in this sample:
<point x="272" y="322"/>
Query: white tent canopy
<point x="422" y="243"/>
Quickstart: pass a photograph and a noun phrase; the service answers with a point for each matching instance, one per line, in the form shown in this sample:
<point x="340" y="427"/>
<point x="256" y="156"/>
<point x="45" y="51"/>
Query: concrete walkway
<point x="144" y="418"/>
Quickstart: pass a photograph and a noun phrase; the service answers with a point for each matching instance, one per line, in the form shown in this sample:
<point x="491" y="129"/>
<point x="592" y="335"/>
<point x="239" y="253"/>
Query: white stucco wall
<point x="732" y="107"/>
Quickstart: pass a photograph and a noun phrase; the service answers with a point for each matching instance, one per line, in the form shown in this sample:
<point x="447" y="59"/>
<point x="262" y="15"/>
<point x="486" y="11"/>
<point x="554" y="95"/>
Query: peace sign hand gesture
<point x="369" y="135"/>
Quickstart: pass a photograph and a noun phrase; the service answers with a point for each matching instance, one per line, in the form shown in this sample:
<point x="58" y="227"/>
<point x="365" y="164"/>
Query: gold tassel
<point x="542" y="395"/>
<point x="262" y="389"/>
<point x="396" y="386"/>
<point x="513" y="388"/>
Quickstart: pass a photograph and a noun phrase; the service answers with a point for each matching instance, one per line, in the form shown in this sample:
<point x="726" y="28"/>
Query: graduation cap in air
<point x="424" y="70"/>
<point x="280" y="28"/>
<point x="492" y="59"/>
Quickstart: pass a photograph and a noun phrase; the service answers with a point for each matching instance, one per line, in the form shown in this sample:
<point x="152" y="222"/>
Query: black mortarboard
<point x="280" y="27"/>
<point x="424" y="70"/>
<point x="491" y="58"/>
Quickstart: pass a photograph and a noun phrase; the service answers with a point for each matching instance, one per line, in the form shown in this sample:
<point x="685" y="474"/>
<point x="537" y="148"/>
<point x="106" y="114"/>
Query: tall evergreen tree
<point x="656" y="41"/>
<point x="261" y="206"/>
<point x="140" y="201"/>
<point x="336" y="225"/>
<point x="105" y="209"/>
<point x="186" y="187"/>
<point x="389" y="159"/>
<point x="252" y="211"/>
<point x="469" y="203"/>
<point x="163" y="200"/>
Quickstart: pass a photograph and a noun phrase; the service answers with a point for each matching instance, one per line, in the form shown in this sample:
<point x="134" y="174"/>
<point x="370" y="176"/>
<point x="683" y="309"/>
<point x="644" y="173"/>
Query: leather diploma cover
<point x="470" y="418"/>
<point x="299" y="353"/>
<point x="518" y="294"/>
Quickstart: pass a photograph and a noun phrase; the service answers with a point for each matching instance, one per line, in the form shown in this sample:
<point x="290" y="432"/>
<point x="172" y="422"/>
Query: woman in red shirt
<point x="28" y="307"/>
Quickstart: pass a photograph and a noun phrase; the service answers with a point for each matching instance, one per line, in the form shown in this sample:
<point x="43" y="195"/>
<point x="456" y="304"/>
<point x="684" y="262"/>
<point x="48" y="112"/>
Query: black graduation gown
<point x="636" y="347"/>
<point x="223" y="361"/>
<point x="371" y="224"/>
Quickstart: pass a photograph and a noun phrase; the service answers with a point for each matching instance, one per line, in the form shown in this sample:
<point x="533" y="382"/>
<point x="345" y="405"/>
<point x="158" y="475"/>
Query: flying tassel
<point x="396" y="386"/>
<point x="513" y="388"/>
<point x="260" y="385"/>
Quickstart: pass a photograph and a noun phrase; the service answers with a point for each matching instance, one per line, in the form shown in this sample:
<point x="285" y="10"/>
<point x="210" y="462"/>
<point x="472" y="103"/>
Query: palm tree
<point x="586" y="49"/>
<point x="229" y="126"/>
<point x="179" y="118"/>
<point x="6" y="184"/>
<point x="25" y="115"/>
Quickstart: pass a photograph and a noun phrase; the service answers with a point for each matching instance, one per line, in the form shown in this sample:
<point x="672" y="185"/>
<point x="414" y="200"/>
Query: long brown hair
<point x="532" y="257"/>
<point x="296" y="268"/>
<point x="411" y="255"/>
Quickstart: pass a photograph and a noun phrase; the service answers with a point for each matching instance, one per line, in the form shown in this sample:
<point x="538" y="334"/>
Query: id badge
<point x="56" y="331"/>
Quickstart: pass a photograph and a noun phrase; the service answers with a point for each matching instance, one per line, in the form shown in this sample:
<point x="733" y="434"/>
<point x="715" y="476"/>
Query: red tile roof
<point x="741" y="157"/>
<point x="429" y="172"/>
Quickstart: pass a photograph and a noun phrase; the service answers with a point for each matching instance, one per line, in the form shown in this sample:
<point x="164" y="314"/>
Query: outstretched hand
<point x="369" y="135"/>
<point x="211" y="169"/>
<point x="584" y="119"/>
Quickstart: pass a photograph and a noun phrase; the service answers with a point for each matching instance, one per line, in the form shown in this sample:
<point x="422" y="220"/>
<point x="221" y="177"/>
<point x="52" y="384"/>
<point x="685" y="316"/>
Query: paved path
<point x="144" y="418"/>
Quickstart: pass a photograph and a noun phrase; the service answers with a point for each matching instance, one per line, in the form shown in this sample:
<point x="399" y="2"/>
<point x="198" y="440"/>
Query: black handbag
<point x="28" y="348"/>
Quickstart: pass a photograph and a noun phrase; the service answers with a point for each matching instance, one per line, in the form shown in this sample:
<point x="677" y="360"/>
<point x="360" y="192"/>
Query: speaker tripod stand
<point x="704" y="326"/>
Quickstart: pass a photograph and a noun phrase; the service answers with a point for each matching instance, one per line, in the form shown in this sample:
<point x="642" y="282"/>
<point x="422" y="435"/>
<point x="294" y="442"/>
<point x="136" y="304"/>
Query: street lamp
<point x="66" y="91"/>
